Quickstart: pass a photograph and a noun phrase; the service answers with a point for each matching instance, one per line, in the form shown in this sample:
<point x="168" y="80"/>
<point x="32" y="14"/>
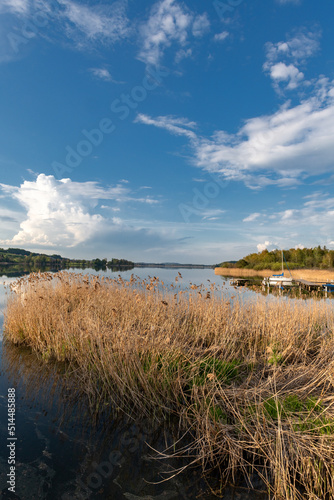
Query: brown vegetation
<point x="303" y="274"/>
<point x="251" y="382"/>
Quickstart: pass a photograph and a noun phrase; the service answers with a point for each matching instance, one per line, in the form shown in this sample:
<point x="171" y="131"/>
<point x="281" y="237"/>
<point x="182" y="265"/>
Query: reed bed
<point x="303" y="274"/>
<point x="251" y="383"/>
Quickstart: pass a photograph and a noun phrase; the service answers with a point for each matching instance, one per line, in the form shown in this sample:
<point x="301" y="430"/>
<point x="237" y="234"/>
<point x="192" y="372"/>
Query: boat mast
<point x="282" y="262"/>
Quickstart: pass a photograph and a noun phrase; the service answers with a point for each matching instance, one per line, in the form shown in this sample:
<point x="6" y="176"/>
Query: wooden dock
<point x="240" y="282"/>
<point x="310" y="285"/>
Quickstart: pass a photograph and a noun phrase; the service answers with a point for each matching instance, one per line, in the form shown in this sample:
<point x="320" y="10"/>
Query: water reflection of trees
<point x="18" y="270"/>
<point x="293" y="293"/>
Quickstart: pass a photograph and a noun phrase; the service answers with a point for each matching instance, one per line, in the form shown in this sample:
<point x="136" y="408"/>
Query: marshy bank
<point x="305" y="274"/>
<point x="249" y="384"/>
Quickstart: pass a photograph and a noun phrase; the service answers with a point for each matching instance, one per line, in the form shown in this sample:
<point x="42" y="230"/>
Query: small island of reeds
<point x="250" y="383"/>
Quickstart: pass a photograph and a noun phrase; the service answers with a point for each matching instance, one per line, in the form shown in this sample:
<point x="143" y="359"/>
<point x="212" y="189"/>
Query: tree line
<point x="31" y="259"/>
<point x="296" y="258"/>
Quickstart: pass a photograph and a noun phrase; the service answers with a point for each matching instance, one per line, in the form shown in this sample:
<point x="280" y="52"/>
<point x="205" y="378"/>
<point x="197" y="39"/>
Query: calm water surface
<point x="61" y="453"/>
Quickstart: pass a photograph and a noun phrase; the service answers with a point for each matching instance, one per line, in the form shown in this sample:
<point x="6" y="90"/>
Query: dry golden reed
<point x="252" y="382"/>
<point x="315" y="275"/>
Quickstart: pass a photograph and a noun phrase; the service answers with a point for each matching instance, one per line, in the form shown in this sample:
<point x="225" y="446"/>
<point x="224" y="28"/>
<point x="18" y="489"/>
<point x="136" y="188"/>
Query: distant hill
<point x="296" y="258"/>
<point x="21" y="257"/>
<point x="18" y="256"/>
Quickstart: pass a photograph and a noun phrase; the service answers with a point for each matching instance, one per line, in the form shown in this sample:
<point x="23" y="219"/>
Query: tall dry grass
<point x="251" y="383"/>
<point x="315" y="275"/>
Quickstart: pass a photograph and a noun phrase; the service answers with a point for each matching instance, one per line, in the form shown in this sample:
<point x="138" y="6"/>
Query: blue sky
<point x="166" y="131"/>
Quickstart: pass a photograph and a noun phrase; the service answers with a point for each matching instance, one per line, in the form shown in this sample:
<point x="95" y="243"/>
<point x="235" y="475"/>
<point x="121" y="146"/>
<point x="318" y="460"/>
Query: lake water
<point x="61" y="453"/>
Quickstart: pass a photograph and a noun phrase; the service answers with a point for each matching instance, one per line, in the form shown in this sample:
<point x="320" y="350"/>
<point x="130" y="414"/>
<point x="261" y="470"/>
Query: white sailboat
<point x="278" y="279"/>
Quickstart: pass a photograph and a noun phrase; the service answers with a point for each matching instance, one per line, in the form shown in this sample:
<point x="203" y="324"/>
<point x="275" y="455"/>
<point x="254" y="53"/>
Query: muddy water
<point x="63" y="452"/>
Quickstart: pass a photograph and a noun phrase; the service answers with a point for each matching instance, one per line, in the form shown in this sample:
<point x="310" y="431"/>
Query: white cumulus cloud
<point x="280" y="72"/>
<point x="15" y="6"/>
<point x="201" y="25"/>
<point x="279" y="148"/>
<point x="252" y="217"/>
<point x="169" y="23"/>
<point x="98" y="23"/>
<point x="220" y="37"/>
<point x="63" y="212"/>
<point x="309" y="223"/>
<point x="102" y="73"/>
<point x="264" y="246"/>
<point x="174" y="125"/>
<point x="283" y="58"/>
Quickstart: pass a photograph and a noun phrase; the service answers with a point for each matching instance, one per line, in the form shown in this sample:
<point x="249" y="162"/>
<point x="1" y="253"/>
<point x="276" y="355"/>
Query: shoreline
<point x="306" y="274"/>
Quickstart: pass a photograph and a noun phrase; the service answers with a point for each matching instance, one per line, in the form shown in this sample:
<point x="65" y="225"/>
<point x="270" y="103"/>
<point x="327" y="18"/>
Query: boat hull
<point x="278" y="281"/>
